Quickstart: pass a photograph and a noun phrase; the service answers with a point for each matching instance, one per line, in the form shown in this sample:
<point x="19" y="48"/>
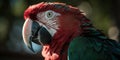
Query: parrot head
<point x="46" y="21"/>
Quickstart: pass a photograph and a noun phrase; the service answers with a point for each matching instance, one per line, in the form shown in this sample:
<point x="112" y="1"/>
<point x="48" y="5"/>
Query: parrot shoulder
<point x="93" y="48"/>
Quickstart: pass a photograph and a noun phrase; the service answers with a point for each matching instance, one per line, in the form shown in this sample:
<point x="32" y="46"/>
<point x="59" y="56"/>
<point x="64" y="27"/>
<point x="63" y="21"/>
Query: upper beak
<point x="33" y="32"/>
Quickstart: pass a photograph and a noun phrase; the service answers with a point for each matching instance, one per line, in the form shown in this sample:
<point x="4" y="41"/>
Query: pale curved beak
<point x="33" y="32"/>
<point x="26" y="33"/>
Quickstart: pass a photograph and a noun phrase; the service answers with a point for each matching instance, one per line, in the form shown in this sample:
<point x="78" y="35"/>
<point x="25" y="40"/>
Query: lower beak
<point x="34" y="33"/>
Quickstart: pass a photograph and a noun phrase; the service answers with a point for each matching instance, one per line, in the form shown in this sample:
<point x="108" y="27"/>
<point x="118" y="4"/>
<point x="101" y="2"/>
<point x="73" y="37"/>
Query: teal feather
<point x="92" y="44"/>
<point x="88" y="48"/>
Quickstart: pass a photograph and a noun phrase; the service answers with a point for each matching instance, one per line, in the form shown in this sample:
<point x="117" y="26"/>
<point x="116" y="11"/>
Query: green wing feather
<point x="89" y="48"/>
<point x="92" y="44"/>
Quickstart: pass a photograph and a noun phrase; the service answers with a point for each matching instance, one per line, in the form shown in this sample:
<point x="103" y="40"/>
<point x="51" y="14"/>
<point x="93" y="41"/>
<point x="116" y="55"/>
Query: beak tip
<point x="31" y="48"/>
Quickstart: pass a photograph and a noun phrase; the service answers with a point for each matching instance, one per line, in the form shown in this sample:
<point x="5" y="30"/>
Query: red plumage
<point x="57" y="7"/>
<point x="58" y="48"/>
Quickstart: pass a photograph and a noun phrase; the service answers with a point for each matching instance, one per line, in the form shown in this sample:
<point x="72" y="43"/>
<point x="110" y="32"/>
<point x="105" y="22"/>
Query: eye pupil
<point x="49" y="13"/>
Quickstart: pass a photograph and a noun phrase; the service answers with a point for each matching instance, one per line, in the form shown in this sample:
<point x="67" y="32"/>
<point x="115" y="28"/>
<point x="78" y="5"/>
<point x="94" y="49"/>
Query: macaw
<point x="66" y="34"/>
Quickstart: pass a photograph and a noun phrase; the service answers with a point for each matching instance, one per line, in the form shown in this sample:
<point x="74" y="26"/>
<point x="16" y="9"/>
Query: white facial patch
<point x="49" y="19"/>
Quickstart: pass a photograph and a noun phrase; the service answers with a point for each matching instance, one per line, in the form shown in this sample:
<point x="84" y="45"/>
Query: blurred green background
<point x="105" y="15"/>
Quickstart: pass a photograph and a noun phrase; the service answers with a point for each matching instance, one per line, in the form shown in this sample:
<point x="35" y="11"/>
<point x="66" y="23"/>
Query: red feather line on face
<point x="62" y="8"/>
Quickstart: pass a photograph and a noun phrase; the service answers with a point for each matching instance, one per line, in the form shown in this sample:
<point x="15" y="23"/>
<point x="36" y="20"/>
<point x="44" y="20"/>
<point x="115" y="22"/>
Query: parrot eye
<point x="49" y="14"/>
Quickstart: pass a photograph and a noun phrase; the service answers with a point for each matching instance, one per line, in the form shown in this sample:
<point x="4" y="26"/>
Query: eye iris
<point x="49" y="15"/>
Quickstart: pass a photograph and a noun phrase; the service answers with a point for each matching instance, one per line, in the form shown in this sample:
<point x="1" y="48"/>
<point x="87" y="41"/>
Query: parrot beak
<point x="34" y="33"/>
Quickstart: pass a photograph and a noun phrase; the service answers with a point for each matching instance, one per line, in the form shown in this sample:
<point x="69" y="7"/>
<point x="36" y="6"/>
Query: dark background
<point x="105" y="15"/>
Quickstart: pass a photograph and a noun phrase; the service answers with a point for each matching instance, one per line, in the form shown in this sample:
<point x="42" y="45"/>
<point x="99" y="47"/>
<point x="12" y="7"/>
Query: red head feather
<point x="62" y="8"/>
